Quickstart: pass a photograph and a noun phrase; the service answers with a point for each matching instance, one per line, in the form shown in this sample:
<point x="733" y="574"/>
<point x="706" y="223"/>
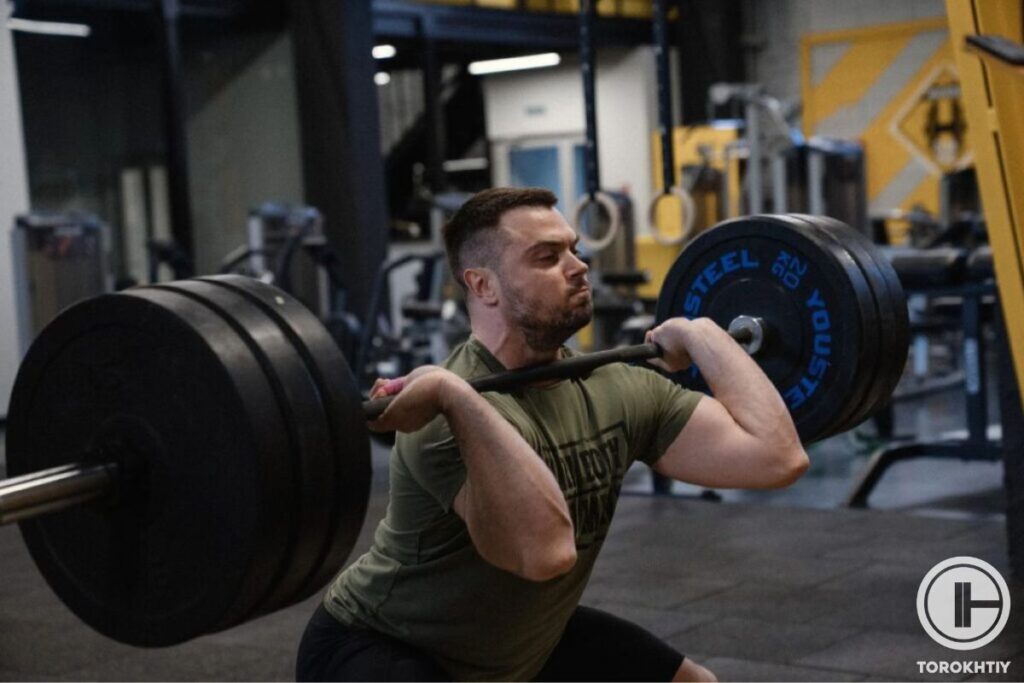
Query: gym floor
<point x="762" y="586"/>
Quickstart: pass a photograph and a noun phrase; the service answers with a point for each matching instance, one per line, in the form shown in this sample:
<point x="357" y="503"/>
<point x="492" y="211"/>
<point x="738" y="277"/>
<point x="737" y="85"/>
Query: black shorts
<point x="596" y="646"/>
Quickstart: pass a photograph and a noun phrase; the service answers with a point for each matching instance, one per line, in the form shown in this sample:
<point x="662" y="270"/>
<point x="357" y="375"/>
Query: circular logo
<point x="963" y="603"/>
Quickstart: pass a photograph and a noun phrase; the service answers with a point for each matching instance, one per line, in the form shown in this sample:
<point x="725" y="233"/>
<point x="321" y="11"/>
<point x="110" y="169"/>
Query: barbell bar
<point x="57" y="488"/>
<point x="190" y="455"/>
<point x="745" y="330"/>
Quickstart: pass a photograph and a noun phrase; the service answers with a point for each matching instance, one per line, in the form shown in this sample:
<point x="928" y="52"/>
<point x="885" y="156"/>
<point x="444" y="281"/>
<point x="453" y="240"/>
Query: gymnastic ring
<point x="611" y="208"/>
<point x="689" y="215"/>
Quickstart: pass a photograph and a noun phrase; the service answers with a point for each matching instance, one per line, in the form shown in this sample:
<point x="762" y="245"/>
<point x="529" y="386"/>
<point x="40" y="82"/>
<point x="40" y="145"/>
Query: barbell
<point x="190" y="455"/>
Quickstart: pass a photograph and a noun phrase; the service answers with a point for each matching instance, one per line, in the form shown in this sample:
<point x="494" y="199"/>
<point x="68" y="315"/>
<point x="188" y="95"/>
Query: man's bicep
<point x="712" y="449"/>
<point x="432" y="459"/>
<point x="660" y="412"/>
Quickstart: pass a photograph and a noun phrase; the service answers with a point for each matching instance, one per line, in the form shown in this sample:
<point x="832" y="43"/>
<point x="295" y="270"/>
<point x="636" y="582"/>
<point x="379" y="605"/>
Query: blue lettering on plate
<point x="789" y="269"/>
<point x="821" y="324"/>
<point x="713" y="272"/>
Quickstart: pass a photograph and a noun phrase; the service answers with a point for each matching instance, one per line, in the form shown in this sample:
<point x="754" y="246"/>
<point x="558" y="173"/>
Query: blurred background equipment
<point x="59" y="258"/>
<point x="321" y="145"/>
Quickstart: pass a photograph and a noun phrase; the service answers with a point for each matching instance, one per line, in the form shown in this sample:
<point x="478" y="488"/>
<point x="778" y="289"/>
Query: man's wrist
<point x="451" y="390"/>
<point x="682" y="337"/>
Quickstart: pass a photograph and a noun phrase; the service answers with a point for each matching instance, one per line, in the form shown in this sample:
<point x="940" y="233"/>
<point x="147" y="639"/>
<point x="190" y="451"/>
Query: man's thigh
<point x="598" y="646"/>
<point x="331" y="651"/>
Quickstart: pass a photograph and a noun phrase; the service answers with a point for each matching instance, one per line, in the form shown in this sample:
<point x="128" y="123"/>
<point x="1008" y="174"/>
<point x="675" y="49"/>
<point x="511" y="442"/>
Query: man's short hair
<point x="471" y="236"/>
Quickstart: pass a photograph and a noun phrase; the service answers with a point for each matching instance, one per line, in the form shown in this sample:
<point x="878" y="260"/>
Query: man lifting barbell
<point x="187" y="456"/>
<point x="499" y="503"/>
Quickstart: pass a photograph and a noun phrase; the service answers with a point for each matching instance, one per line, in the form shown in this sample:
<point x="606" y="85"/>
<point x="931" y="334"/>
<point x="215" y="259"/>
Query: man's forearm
<point x="741" y="386"/>
<point x="515" y="511"/>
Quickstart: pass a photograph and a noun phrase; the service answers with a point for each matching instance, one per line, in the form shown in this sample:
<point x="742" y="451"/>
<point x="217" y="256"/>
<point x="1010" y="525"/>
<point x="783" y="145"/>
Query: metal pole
<point x="257" y="244"/>
<point x="728" y="156"/>
<point x="974" y="368"/>
<point x="54" y="489"/>
<point x="588" y="17"/>
<point x="433" y="109"/>
<point x="779" y="199"/>
<point x="816" y="182"/>
<point x="175" y="127"/>
<point x="664" y="87"/>
<point x="755" y="195"/>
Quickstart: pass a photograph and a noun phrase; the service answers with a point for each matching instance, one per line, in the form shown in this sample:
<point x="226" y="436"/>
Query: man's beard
<point x="547" y="330"/>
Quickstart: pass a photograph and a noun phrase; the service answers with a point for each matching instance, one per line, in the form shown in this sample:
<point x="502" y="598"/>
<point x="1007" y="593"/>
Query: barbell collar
<point x="748" y="331"/>
<point x="57" y="488"/>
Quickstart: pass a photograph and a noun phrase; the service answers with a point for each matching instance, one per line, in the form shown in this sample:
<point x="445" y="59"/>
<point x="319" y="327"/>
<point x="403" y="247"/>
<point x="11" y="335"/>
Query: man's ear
<point x="482" y="285"/>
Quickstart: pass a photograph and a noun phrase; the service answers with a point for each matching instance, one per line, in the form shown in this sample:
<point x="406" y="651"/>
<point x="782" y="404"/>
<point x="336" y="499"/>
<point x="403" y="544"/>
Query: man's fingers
<point x="375" y="390"/>
<point x="420" y="371"/>
<point x="658" y="362"/>
<point x="393" y="386"/>
<point x="387" y="387"/>
<point x="649" y="339"/>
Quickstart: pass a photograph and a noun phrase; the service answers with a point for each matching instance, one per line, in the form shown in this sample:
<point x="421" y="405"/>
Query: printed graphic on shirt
<point x="590" y="472"/>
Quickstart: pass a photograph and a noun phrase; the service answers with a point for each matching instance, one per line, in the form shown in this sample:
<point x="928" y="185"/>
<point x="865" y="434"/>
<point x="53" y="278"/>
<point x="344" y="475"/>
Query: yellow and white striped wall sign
<point x="895" y="88"/>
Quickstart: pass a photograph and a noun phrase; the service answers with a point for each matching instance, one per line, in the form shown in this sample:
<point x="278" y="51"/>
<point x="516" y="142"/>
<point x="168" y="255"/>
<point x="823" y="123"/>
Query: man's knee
<point x="690" y="670"/>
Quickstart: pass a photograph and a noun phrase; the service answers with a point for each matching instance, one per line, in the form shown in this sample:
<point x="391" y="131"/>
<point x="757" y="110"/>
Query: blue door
<point x="536" y="167"/>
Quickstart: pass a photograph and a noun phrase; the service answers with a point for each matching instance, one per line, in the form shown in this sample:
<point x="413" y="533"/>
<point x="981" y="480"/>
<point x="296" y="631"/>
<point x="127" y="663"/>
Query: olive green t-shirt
<point x="423" y="581"/>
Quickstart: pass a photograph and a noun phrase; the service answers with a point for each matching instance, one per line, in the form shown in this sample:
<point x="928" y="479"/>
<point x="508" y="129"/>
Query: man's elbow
<point x="789" y="467"/>
<point x="550" y="563"/>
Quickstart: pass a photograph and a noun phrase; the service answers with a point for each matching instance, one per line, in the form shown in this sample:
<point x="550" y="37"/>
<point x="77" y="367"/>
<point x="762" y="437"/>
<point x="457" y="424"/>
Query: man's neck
<point x="510" y="347"/>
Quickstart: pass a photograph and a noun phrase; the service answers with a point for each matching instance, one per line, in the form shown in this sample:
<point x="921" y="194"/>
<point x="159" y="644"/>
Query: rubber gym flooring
<point x="765" y="586"/>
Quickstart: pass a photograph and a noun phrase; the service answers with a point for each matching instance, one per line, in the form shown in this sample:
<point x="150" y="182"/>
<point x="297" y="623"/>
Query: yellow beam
<point x="994" y="98"/>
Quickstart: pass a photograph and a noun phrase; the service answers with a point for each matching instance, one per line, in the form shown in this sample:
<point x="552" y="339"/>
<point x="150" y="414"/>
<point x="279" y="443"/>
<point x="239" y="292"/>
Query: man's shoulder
<point x="466" y="361"/>
<point x="629" y="376"/>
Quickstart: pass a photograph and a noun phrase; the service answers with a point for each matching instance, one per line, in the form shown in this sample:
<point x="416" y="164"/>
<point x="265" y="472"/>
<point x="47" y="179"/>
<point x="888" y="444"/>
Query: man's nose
<point x="577" y="266"/>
